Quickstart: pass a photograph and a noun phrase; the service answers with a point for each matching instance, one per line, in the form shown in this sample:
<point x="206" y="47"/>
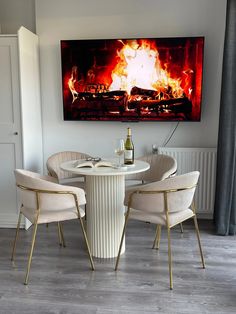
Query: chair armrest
<point x="49" y="178"/>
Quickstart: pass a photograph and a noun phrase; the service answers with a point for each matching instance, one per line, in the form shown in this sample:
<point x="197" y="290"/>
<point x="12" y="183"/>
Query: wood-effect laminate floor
<point x="61" y="280"/>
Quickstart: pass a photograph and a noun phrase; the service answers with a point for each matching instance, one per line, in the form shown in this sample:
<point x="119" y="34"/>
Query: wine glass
<point x="119" y="149"/>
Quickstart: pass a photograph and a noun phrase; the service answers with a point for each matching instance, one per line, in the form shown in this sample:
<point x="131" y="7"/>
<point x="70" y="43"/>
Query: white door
<point x="10" y="130"/>
<point x="20" y="117"/>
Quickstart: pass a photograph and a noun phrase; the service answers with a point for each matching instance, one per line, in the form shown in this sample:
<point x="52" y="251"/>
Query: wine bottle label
<point x="129" y="154"/>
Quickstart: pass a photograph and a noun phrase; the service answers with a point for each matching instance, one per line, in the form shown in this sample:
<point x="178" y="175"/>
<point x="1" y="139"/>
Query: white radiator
<point x="203" y="160"/>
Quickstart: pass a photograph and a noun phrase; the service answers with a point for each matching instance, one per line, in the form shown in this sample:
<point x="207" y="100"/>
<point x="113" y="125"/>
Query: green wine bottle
<point x="129" y="149"/>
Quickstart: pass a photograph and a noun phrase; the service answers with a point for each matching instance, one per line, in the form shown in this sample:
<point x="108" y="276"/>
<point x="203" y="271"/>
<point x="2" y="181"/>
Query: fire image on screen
<point x="152" y="79"/>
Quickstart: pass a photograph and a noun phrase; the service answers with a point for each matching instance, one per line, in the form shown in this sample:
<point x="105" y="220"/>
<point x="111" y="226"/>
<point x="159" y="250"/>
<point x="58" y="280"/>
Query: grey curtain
<point x="225" y="199"/>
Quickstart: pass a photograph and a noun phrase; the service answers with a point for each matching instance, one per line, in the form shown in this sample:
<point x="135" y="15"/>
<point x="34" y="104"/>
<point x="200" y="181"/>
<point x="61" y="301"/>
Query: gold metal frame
<point x="156" y="243"/>
<point x="168" y="226"/>
<point x="35" y="224"/>
<point x="61" y="234"/>
<point x="157" y="240"/>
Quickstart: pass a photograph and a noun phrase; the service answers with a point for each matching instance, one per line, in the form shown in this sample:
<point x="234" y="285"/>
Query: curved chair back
<point x="54" y="161"/>
<point x="49" y="193"/>
<point x="161" y="167"/>
<point x="151" y="197"/>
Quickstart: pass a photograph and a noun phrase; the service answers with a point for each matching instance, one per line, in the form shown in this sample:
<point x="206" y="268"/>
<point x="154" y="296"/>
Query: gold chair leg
<point x="199" y="241"/>
<point x="59" y="233"/>
<point x="84" y="233"/>
<point x="87" y="244"/>
<point x="181" y="228"/>
<point x="16" y="237"/>
<point x="85" y="210"/>
<point x="122" y="238"/>
<point x="170" y="259"/>
<point x="169" y="241"/>
<point x="31" y="251"/>
<point x="62" y="234"/>
<point x="156" y="243"/>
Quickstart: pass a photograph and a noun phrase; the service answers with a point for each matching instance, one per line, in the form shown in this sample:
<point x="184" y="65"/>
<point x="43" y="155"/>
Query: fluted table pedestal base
<point x="105" y="188"/>
<point x="105" y="214"/>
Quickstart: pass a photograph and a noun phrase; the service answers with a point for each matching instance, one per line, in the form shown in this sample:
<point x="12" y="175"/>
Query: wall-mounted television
<point x="138" y="79"/>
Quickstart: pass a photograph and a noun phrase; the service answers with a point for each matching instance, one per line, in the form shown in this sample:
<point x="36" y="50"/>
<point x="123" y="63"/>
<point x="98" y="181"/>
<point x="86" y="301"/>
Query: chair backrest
<point x="54" y="161"/>
<point x="150" y="200"/>
<point x="161" y="167"/>
<point x="29" y="181"/>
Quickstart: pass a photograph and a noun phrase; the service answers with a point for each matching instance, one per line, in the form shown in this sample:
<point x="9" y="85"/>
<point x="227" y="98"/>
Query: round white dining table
<point x="105" y="191"/>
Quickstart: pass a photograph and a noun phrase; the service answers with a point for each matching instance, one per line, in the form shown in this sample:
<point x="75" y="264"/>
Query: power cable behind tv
<point x="170" y="136"/>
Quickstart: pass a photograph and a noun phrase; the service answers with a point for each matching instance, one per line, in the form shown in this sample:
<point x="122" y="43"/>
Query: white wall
<point x="16" y="13"/>
<point x="77" y="19"/>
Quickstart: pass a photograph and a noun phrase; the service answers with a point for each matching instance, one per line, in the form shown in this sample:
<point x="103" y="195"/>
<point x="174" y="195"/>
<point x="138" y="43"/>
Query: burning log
<point x="102" y="96"/>
<point x="174" y="105"/>
<point x="143" y="92"/>
<point x="164" y="102"/>
<point x="115" y="101"/>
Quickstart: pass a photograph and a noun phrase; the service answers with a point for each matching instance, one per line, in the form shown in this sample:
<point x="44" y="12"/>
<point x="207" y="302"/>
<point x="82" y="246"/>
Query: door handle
<point x="15" y="133"/>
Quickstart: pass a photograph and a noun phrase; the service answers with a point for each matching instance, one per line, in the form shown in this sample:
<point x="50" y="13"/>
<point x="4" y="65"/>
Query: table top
<point x="139" y="166"/>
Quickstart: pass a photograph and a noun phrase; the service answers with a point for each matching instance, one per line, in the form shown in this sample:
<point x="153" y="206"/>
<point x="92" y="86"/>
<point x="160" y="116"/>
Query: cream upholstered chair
<point x="165" y="203"/>
<point x="44" y="201"/>
<point x="65" y="177"/>
<point x="161" y="167"/>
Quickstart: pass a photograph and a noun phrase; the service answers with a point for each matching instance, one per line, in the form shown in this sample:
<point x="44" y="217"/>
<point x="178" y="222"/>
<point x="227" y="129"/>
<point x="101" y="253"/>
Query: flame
<point x="71" y="83"/>
<point x="139" y="65"/>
